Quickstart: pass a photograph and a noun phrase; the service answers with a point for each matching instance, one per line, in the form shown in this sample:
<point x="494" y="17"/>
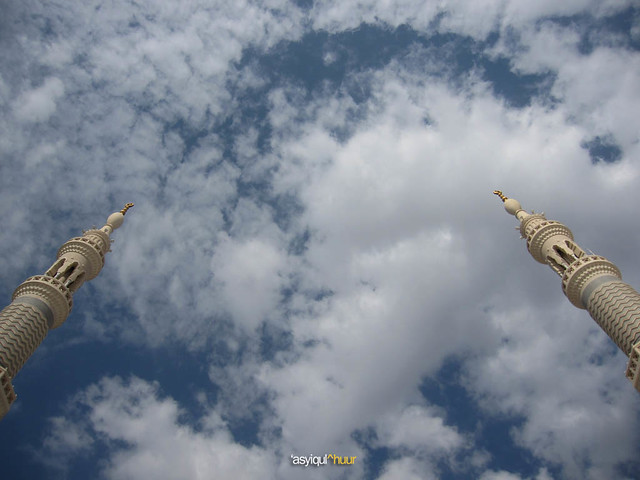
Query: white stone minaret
<point x="43" y="302"/>
<point x="590" y="282"/>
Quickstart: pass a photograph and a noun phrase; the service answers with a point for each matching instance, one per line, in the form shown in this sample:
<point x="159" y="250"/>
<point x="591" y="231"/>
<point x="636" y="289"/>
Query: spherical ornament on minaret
<point x="512" y="205"/>
<point x="115" y="220"/>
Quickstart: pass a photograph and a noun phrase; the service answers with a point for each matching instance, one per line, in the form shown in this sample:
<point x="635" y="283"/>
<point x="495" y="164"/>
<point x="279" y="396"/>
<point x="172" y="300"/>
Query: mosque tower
<point x="44" y="301"/>
<point x="590" y="282"/>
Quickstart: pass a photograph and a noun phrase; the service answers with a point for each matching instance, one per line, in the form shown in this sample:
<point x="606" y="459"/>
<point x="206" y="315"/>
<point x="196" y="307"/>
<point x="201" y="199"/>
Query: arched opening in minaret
<point x="75" y="280"/>
<point x="577" y="251"/>
<point x="567" y="256"/>
<point x="53" y="270"/>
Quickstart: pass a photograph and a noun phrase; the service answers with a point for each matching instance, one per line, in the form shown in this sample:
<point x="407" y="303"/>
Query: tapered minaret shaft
<point x="43" y="302"/>
<point x="590" y="282"/>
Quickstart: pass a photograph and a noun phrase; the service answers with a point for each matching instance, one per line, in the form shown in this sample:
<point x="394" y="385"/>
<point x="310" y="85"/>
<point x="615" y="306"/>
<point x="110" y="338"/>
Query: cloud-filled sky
<point x="315" y="263"/>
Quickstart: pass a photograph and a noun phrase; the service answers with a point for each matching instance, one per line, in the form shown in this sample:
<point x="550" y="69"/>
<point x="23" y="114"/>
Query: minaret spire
<point x="43" y="302"/>
<point x="590" y="282"/>
<point x="126" y="207"/>
<point x="499" y="193"/>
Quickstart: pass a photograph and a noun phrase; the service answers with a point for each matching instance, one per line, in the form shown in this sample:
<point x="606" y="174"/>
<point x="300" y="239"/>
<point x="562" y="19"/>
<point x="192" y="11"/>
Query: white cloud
<point x="252" y="275"/>
<point x="67" y="436"/>
<point x="335" y="16"/>
<point x="501" y="475"/>
<point x="571" y="405"/>
<point x="475" y="19"/>
<point x="39" y="104"/>
<point x="406" y="468"/>
<point x="394" y="264"/>
<point x="543" y="474"/>
<point x="157" y="444"/>
<point x="390" y="258"/>
<point x="409" y="259"/>
<point x="4" y="91"/>
<point x="417" y="428"/>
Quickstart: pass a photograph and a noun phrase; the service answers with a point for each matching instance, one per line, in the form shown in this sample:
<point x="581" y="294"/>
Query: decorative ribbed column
<point x="616" y="308"/>
<point x="22" y="330"/>
<point x="44" y="301"/>
<point x="590" y="282"/>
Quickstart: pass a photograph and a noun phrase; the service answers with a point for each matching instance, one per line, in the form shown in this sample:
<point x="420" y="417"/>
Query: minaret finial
<point x="126" y="207"/>
<point x="511" y="205"/>
<point x="499" y="193"/>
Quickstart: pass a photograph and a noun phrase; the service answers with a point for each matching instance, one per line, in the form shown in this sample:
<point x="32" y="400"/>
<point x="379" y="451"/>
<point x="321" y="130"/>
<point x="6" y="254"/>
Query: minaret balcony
<point x="52" y="292"/>
<point x="582" y="272"/>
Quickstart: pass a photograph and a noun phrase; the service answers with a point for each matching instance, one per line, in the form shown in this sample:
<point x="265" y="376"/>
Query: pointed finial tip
<point x="511" y="205"/>
<point x="126" y="207"/>
<point x="116" y="218"/>
<point x="499" y="193"/>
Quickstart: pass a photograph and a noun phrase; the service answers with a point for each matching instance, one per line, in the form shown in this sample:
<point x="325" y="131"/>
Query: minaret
<point x="590" y="282"/>
<point x="43" y="302"/>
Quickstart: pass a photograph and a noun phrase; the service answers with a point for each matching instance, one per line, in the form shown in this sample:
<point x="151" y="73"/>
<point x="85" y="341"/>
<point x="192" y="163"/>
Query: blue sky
<point x="315" y="263"/>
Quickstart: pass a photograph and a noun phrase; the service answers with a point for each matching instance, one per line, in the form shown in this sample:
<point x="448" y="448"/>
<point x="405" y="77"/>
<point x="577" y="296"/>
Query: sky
<point x="315" y="263"/>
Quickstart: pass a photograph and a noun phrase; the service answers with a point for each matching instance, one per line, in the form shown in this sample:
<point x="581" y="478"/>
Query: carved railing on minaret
<point x="589" y="281"/>
<point x="43" y="302"/>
